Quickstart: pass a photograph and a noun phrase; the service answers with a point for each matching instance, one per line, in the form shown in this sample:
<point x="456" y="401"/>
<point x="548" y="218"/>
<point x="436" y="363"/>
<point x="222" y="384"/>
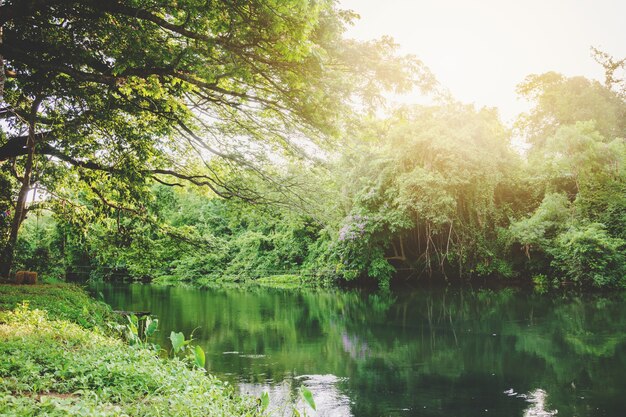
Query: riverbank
<point x="60" y="355"/>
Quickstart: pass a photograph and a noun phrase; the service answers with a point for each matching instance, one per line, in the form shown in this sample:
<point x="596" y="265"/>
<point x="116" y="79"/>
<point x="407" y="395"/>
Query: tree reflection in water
<point x="431" y="352"/>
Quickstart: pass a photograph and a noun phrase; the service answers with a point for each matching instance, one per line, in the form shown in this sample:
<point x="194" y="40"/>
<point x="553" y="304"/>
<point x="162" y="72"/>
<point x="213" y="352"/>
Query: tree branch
<point x="115" y="7"/>
<point x="16" y="146"/>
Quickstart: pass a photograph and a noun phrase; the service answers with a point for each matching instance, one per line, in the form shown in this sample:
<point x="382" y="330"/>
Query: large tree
<point x="115" y="93"/>
<point x="576" y="232"/>
<point x="560" y="101"/>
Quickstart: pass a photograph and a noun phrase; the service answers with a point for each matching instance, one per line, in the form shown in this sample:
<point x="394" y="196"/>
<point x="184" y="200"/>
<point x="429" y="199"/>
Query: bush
<point x="57" y="368"/>
<point x="61" y="301"/>
<point x="588" y="255"/>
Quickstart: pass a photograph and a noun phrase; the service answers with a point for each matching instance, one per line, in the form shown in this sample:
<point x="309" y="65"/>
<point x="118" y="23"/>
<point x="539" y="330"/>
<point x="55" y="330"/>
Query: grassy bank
<point x="57" y="359"/>
<point x="60" y="301"/>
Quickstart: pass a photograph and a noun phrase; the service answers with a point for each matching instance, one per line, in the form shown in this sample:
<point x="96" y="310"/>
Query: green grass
<point x="61" y="301"/>
<point x="51" y="364"/>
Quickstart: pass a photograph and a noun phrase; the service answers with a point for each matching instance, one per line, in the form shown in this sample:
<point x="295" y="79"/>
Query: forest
<point x="237" y="208"/>
<point x="248" y="154"/>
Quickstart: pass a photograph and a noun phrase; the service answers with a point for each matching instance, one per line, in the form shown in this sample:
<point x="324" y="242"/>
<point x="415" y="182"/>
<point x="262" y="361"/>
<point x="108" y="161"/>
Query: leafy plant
<point x="178" y="341"/>
<point x="264" y="400"/>
<point x="200" y="359"/>
<point x="307" y="396"/>
<point x="51" y="366"/>
<point x="588" y="255"/>
<point x="140" y="329"/>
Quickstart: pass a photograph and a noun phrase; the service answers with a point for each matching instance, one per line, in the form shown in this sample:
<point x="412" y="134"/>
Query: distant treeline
<point x="436" y="190"/>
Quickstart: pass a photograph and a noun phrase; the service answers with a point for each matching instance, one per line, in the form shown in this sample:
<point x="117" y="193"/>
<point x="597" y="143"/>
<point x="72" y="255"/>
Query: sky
<point x="480" y="50"/>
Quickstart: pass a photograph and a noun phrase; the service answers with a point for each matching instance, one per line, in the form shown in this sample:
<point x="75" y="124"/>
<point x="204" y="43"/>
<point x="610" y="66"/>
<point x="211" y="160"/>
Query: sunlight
<point x="482" y="50"/>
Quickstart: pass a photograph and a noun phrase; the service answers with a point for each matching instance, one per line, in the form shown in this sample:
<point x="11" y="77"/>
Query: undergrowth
<point x="52" y="364"/>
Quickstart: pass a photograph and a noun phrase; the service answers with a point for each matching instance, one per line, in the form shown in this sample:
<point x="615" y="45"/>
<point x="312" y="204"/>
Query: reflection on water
<point x="435" y="352"/>
<point x="329" y="400"/>
<point x="356" y="348"/>
<point x="537" y="398"/>
<point x="284" y="397"/>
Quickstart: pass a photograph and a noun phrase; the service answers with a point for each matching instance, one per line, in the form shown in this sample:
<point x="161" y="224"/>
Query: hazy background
<point x="480" y="50"/>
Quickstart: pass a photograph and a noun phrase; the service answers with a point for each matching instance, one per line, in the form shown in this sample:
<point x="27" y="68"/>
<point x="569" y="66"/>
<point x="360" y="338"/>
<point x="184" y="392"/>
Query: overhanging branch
<point x="16" y="146"/>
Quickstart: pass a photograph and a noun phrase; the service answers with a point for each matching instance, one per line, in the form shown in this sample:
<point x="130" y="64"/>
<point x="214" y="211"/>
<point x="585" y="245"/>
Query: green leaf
<point x="200" y="358"/>
<point x="151" y="327"/>
<point x="265" y="400"/>
<point x="132" y="324"/>
<point x="178" y="341"/>
<point x="307" y="396"/>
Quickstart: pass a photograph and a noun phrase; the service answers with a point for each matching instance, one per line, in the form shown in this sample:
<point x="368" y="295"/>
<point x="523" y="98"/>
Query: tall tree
<point x="577" y="129"/>
<point x="560" y="101"/>
<point x="118" y="92"/>
<point x="428" y="193"/>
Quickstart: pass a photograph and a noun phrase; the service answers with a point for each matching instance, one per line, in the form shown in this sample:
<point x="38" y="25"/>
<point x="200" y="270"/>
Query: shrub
<point x="588" y="255"/>
<point x="57" y="368"/>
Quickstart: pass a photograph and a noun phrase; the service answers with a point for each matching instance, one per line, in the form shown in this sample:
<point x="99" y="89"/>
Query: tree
<point x="560" y="101"/>
<point x="614" y="71"/>
<point x="429" y="193"/>
<point x="577" y="130"/>
<point x="112" y="94"/>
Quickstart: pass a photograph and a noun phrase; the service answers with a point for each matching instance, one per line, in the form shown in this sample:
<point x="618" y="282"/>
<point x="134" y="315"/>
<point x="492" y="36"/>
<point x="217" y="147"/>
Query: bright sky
<point x="480" y="50"/>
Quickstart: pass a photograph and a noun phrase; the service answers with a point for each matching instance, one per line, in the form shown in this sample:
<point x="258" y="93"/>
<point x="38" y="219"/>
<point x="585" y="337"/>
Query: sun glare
<point x="481" y="50"/>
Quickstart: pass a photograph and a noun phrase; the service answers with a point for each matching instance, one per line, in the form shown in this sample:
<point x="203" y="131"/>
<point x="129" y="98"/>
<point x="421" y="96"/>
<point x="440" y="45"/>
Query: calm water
<point x="435" y="352"/>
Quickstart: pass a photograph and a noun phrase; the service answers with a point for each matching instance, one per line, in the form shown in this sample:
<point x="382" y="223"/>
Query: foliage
<point x="438" y="189"/>
<point x="117" y="95"/>
<point x="562" y="101"/>
<point x="541" y="283"/>
<point x="139" y="330"/>
<point x="61" y="301"/>
<point x="199" y="357"/>
<point x="432" y="191"/>
<point x="589" y="255"/>
<point x="213" y="239"/>
<point x="548" y="220"/>
<point x="430" y="194"/>
<point x="575" y="251"/>
<point x="57" y="368"/>
<point x="39" y="247"/>
<point x="178" y="341"/>
<point x="7" y="187"/>
<point x="308" y="397"/>
<point x="199" y="238"/>
<point x="577" y="233"/>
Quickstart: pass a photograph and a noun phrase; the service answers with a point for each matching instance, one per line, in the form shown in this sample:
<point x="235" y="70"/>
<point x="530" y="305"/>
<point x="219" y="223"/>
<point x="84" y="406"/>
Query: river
<point x="428" y="352"/>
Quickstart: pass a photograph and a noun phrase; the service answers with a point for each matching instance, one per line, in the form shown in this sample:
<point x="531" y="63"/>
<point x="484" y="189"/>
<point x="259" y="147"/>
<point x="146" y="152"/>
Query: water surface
<point x="428" y="352"/>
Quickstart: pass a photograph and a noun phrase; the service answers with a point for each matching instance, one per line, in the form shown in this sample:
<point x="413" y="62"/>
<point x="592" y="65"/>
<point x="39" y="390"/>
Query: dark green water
<point x="433" y="352"/>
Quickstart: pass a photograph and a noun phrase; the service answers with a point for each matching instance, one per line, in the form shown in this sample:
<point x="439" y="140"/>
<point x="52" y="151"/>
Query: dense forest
<point x="241" y="208"/>
<point x="190" y="146"/>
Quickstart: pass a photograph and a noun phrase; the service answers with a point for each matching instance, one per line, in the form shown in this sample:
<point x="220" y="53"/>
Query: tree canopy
<point x="108" y="105"/>
<point x="118" y="92"/>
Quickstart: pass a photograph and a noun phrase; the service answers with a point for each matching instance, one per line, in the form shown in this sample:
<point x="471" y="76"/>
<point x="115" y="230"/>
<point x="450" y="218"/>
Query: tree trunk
<point x="20" y="206"/>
